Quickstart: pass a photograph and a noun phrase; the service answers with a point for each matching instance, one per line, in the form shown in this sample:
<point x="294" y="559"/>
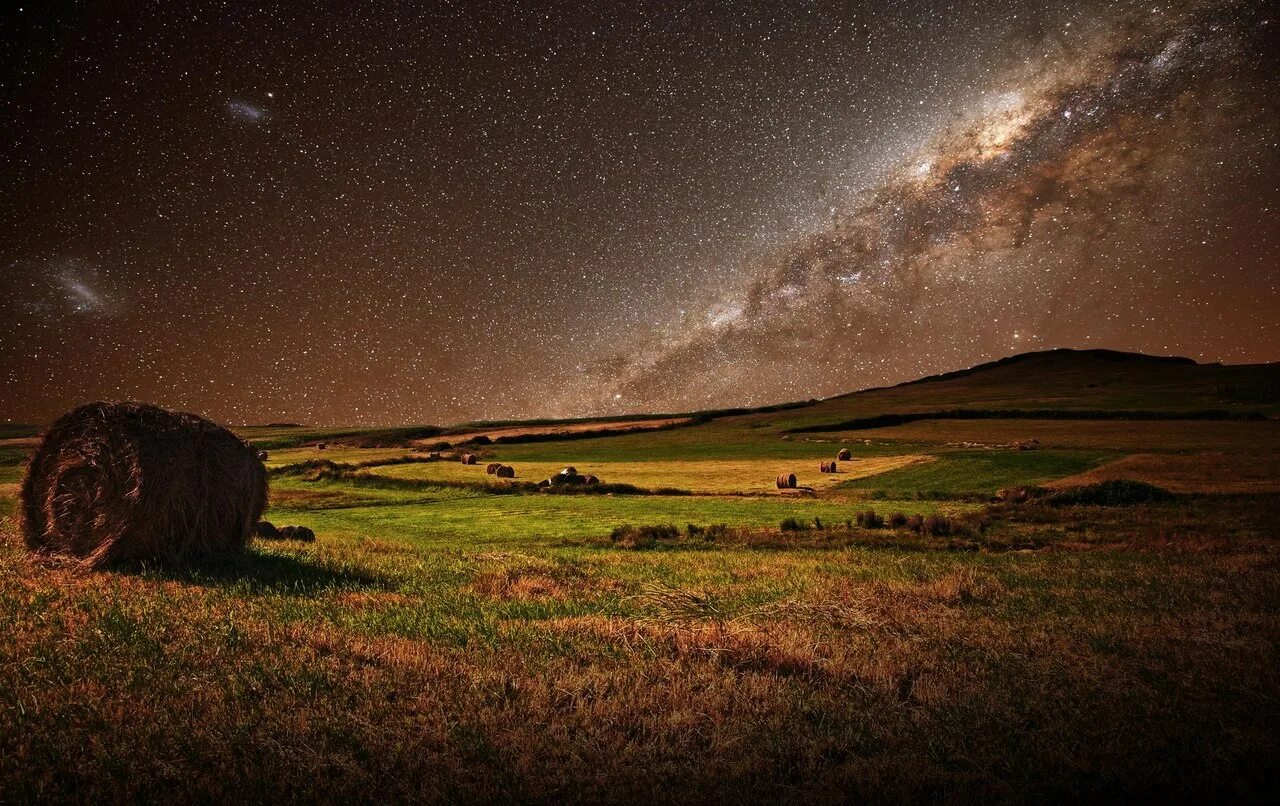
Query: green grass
<point x="448" y="643"/>
<point x="978" y="472"/>
<point x="450" y="517"/>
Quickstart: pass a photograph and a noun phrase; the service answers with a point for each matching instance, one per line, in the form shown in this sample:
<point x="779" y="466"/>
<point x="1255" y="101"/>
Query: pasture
<point x="453" y="636"/>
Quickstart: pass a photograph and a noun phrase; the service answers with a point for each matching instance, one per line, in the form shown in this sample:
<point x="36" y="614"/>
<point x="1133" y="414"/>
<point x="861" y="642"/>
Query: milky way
<point x="1041" y="221"/>
<point x="432" y="214"/>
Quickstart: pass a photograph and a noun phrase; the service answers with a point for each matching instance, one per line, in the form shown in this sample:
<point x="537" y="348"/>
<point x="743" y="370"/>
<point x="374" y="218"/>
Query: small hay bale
<point x="320" y="446"/>
<point x="589" y="479"/>
<point x="266" y="530"/>
<point x="468" y="458"/>
<point x="829" y="466"/>
<point x="492" y="467"/>
<point x="844" y="455"/>
<point x="544" y="483"/>
<point x="786" y="481"/>
<point x="569" y="471"/>
<point x="301" y="533"/>
<point x="505" y="472"/>
<point x="262" y="456"/>
<point x="128" y="482"/>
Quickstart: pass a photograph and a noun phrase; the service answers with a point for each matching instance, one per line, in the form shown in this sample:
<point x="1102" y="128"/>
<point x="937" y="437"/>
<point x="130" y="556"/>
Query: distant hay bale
<point x="468" y="458"/>
<point x="505" y="472"/>
<point x="786" y="481"/>
<point x="544" y="483"/>
<point x="589" y="479"/>
<point x="492" y="467"/>
<point x="844" y="455"/>
<point x="301" y="533"/>
<point x="262" y="456"/>
<point x="568" y="476"/>
<point x="126" y="482"/>
<point x="266" y="530"/>
<point x="829" y="466"/>
<point x="320" y="446"/>
<point x="1029" y="445"/>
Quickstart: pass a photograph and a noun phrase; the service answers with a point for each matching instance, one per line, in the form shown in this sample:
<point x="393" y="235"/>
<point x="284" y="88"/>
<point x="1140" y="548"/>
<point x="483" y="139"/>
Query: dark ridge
<point x="1115" y="356"/>
<point x="887" y="420"/>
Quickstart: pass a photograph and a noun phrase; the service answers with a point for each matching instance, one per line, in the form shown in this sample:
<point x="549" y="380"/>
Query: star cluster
<point x="427" y="213"/>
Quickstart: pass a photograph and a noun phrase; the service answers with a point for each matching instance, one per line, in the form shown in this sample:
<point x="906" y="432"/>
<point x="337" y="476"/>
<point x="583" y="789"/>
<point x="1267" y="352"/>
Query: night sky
<point x="381" y="213"/>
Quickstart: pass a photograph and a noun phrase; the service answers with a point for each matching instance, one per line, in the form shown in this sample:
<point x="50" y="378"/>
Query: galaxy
<point x="437" y="213"/>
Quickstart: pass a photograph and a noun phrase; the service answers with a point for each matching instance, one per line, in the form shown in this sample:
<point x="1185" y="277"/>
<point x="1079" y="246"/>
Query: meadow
<point x="452" y="636"/>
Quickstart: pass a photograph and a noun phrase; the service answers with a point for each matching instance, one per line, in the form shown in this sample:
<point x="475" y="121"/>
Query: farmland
<point x="453" y="636"/>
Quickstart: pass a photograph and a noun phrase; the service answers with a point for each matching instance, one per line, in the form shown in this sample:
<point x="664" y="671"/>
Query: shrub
<point x="937" y="525"/>
<point x="716" y="531"/>
<point x="870" y="520"/>
<point x="792" y="525"/>
<point x="642" y="537"/>
<point x="898" y="520"/>
<point x="915" y="523"/>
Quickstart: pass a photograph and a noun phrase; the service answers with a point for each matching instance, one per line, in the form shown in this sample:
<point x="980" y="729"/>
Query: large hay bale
<point x="786" y="481"/>
<point x="844" y="455"/>
<point x="505" y="472"/>
<point x="492" y="467"/>
<point x="829" y="466"/>
<point x="468" y="458"/>
<point x="125" y="482"/>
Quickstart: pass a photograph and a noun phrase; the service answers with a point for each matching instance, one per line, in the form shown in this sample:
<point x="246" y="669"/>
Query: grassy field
<point x="453" y="637"/>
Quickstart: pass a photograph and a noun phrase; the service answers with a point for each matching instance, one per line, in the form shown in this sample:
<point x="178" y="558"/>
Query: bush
<point x="1114" y="493"/>
<point x="870" y="520"/>
<point x="937" y="525"/>
<point x="716" y="531"/>
<point x="898" y="520"/>
<point x="642" y="537"/>
<point x="792" y="525"/>
<point x="915" y="523"/>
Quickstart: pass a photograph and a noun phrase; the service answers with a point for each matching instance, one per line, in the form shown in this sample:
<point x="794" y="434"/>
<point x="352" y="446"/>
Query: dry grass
<point x="366" y="666"/>
<point x="712" y="476"/>
<point x="1190" y="473"/>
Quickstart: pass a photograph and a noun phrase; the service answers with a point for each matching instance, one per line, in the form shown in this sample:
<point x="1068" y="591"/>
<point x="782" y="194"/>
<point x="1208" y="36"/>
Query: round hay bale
<point x="320" y="446"/>
<point x="569" y="471"/>
<point x="829" y="466"/>
<point x="590" y="480"/>
<point x="468" y="458"/>
<point x="492" y="467"/>
<point x="262" y="456"/>
<point x="844" y="455"/>
<point x="297" y="533"/>
<point x="505" y="472"/>
<point x="126" y="482"/>
<point x="544" y="483"/>
<point x="266" y="530"/>
<point x="786" y="481"/>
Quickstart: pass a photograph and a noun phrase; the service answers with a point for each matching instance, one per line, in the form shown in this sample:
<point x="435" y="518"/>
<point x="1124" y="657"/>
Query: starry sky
<point x="382" y="213"/>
